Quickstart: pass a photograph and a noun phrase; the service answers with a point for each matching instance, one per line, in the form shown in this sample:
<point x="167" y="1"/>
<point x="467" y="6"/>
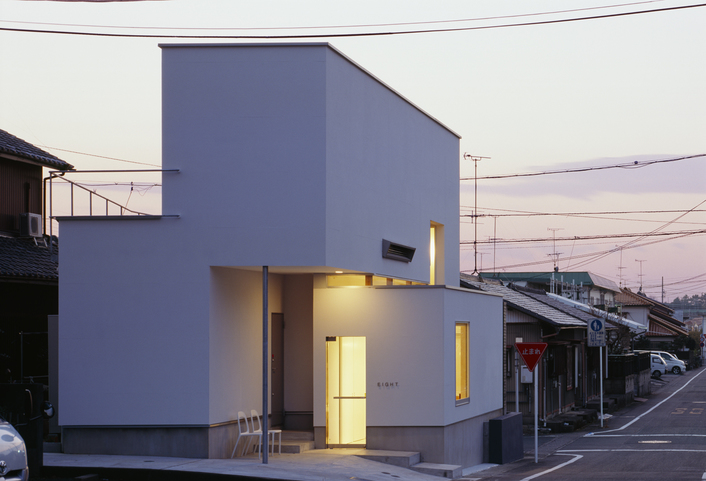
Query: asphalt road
<point x="661" y="439"/>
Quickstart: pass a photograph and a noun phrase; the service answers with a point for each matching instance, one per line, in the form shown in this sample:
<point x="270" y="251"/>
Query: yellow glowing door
<point x="345" y="391"/>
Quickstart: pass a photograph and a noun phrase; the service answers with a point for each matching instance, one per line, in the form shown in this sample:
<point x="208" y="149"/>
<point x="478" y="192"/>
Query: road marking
<point x="653" y="435"/>
<point x="576" y="458"/>
<point x="626" y="450"/>
<point x="649" y="410"/>
<point x="654" y="441"/>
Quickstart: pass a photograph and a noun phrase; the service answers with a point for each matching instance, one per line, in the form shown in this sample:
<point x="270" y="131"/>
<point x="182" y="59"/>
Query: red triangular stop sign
<point x="531" y="352"/>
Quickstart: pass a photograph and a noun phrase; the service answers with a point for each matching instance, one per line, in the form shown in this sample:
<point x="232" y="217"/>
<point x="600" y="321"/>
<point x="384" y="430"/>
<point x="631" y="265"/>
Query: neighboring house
<point x="566" y="370"/>
<point x="655" y="316"/>
<point x="296" y="166"/>
<point x="694" y="324"/>
<point x="585" y="287"/>
<point x="28" y="274"/>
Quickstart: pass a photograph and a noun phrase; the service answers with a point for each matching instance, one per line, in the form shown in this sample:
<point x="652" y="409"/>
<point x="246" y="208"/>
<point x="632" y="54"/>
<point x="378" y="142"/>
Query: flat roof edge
<point x="314" y="44"/>
<point x="114" y="217"/>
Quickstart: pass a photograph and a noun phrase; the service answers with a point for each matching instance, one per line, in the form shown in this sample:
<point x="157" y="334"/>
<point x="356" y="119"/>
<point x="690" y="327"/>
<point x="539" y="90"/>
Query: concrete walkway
<point x="318" y="464"/>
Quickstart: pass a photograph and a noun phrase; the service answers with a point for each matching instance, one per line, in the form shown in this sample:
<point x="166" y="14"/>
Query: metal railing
<point x="60" y="175"/>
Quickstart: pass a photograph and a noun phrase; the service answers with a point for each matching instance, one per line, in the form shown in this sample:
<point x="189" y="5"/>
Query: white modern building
<point x="295" y="158"/>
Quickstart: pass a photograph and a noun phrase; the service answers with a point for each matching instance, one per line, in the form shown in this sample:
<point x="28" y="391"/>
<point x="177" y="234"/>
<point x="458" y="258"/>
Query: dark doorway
<point x="277" y="367"/>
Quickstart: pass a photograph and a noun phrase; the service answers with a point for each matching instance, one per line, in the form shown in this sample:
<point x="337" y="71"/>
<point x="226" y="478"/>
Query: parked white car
<point x="676" y="366"/>
<point x="657" y="365"/>
<point x="13" y="454"/>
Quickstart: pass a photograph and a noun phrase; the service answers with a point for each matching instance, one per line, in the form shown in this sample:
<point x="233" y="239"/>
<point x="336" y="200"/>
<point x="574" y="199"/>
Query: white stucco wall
<point x="637" y="314"/>
<point x="410" y="336"/>
<point x="133" y="317"/>
<point x="235" y="340"/>
<point x="246" y="126"/>
<point x="390" y="171"/>
<point x="295" y="156"/>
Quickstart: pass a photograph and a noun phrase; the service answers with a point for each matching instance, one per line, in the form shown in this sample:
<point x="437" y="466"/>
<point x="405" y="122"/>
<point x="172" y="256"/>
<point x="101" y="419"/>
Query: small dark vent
<point x="397" y="252"/>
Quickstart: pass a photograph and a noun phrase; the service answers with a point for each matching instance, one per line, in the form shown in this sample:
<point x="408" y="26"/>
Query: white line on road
<point x="650" y="435"/>
<point x="649" y="410"/>
<point x="625" y="450"/>
<point x="576" y="458"/>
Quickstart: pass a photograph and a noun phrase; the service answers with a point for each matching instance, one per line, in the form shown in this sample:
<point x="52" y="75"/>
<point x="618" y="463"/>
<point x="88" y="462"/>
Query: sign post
<point x="596" y="338"/>
<point x="531" y="352"/>
<point x="517" y="378"/>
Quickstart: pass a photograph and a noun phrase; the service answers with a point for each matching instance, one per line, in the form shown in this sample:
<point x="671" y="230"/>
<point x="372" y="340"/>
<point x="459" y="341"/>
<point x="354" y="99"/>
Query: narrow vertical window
<point x="462" y="380"/>
<point x="436" y="253"/>
<point x="432" y="255"/>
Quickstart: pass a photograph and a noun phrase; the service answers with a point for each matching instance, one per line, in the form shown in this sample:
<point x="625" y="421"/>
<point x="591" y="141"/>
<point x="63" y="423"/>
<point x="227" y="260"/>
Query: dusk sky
<point x="596" y="92"/>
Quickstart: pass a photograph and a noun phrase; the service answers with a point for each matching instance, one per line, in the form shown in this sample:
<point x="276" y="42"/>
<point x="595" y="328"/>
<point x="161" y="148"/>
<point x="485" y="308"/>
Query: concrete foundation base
<point x="459" y="444"/>
<point x="214" y="442"/>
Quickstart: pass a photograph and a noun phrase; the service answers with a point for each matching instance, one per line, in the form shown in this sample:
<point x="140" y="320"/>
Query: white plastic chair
<point x="247" y="434"/>
<point x="272" y="432"/>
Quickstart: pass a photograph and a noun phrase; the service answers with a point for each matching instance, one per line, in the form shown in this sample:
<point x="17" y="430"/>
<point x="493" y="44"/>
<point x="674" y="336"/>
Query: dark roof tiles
<point x="21" y="258"/>
<point x="526" y="303"/>
<point x="10" y="144"/>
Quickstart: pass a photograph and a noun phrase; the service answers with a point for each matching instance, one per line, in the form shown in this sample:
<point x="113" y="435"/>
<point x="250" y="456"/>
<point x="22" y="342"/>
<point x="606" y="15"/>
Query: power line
<point x="313" y="27"/>
<point x="351" y="35"/>
<point x="586" y="216"/>
<point x="652" y="233"/>
<point x="98" y="156"/>
<point x="636" y="164"/>
<point x="691" y="280"/>
<point x="591" y="254"/>
<point x="593" y="237"/>
<point x="525" y="213"/>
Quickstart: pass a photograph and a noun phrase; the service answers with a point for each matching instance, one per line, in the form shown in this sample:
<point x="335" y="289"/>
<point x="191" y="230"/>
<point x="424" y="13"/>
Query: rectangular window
<point x="462" y="380"/>
<point x="432" y="255"/>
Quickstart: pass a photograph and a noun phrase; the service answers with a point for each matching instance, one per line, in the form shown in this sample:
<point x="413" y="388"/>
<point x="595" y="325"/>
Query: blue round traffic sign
<point x="596" y="325"/>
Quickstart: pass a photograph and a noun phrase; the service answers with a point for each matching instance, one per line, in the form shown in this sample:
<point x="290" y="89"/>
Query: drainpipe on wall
<point x="265" y="366"/>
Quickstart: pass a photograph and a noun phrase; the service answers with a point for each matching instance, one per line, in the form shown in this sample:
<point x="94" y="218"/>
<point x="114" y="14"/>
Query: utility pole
<point x="555" y="255"/>
<point x="475" y="159"/>
<point x="640" y="261"/>
<point x="495" y="238"/>
<point x="620" y="268"/>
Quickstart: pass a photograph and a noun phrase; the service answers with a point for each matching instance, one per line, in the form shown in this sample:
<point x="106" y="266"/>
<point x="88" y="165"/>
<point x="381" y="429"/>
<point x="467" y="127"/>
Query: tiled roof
<point x="600" y="281"/>
<point x="586" y="278"/>
<point x="661" y="327"/>
<point x="629" y="298"/>
<point x="22" y="259"/>
<point x="565" y="308"/>
<point x="523" y="302"/>
<point x="13" y="145"/>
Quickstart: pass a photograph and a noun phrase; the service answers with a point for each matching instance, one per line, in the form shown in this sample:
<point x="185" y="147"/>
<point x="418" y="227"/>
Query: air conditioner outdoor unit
<point x="30" y="225"/>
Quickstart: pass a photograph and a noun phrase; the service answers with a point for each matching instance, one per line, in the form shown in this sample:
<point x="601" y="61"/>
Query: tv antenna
<point x="475" y="159"/>
<point x="555" y="254"/>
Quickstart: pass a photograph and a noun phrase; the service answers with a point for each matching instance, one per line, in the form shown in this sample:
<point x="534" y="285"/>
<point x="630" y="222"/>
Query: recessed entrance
<point x="345" y="392"/>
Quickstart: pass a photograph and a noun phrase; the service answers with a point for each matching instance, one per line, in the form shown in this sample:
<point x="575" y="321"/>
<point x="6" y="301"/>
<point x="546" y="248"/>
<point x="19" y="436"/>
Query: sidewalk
<point x="319" y="464"/>
<point x="314" y="465"/>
